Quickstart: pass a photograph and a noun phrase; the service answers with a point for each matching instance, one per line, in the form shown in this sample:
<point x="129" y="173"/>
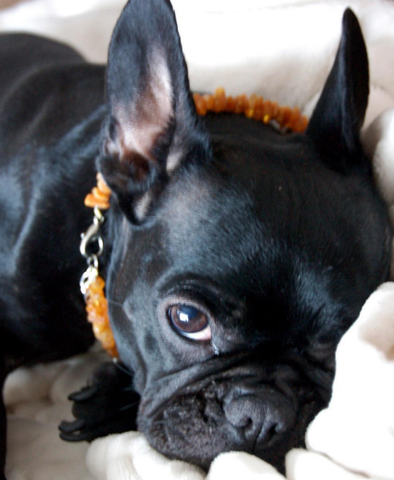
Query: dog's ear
<point x="151" y="127"/>
<point x="339" y="114"/>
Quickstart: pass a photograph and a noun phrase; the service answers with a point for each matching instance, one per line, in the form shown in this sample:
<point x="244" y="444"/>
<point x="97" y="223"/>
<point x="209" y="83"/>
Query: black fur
<point x="277" y="239"/>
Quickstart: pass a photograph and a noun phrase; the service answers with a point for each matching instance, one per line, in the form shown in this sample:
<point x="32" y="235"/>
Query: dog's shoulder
<point x="47" y="88"/>
<point x="21" y="53"/>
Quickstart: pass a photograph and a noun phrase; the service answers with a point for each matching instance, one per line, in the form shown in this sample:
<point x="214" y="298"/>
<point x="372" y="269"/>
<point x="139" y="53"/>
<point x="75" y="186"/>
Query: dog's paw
<point x="108" y="405"/>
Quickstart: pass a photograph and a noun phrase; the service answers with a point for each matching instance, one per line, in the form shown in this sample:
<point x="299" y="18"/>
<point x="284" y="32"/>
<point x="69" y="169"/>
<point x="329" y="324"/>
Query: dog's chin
<point x="197" y="428"/>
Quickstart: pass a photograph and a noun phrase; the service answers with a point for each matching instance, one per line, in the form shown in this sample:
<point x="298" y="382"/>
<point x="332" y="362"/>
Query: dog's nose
<point x="262" y="419"/>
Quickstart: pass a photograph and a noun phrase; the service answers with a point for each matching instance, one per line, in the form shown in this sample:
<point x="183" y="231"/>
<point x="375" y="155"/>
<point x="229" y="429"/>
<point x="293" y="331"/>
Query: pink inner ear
<point x="140" y="124"/>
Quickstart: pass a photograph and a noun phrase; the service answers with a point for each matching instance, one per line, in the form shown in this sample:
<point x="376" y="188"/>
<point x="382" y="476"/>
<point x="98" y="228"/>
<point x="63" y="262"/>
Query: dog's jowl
<point x="235" y="255"/>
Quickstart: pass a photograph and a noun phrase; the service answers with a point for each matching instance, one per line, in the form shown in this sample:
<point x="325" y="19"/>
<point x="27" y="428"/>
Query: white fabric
<point x="358" y="427"/>
<point x="282" y="49"/>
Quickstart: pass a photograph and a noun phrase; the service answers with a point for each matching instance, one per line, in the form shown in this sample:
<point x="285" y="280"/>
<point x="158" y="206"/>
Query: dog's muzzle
<point x="263" y="411"/>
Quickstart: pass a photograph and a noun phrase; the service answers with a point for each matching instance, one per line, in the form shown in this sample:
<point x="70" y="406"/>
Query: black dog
<point x="235" y="256"/>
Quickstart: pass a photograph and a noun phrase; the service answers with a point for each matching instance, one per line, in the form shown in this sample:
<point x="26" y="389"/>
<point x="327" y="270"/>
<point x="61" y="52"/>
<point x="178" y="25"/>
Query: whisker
<point x="131" y="405"/>
<point x="159" y="422"/>
<point x="129" y="389"/>
<point x="115" y="303"/>
<point x="123" y="368"/>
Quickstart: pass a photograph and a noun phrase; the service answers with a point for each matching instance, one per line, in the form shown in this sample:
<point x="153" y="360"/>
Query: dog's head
<point x="239" y="255"/>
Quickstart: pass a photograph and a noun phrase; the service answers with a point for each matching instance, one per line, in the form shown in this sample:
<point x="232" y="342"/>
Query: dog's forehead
<point x="214" y="218"/>
<point x="237" y="207"/>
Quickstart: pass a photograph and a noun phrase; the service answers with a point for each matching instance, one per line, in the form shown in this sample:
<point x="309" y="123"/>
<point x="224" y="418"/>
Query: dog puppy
<point x="235" y="255"/>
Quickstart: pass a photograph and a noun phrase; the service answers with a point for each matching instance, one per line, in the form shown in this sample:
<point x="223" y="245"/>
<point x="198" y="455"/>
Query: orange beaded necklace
<point x="252" y="107"/>
<point x="92" y="284"/>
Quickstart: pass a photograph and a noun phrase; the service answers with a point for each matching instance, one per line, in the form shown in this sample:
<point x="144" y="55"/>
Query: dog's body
<point x="235" y="256"/>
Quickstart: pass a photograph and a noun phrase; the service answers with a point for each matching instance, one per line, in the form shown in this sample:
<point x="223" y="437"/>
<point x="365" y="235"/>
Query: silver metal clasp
<point x="87" y="239"/>
<point x="91" y="236"/>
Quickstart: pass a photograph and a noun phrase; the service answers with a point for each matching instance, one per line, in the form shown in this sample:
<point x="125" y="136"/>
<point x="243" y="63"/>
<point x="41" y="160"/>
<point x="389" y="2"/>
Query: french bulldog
<point x="235" y="255"/>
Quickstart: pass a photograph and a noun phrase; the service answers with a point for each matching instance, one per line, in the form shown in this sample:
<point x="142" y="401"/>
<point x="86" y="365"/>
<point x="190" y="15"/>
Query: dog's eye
<point x="189" y="322"/>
